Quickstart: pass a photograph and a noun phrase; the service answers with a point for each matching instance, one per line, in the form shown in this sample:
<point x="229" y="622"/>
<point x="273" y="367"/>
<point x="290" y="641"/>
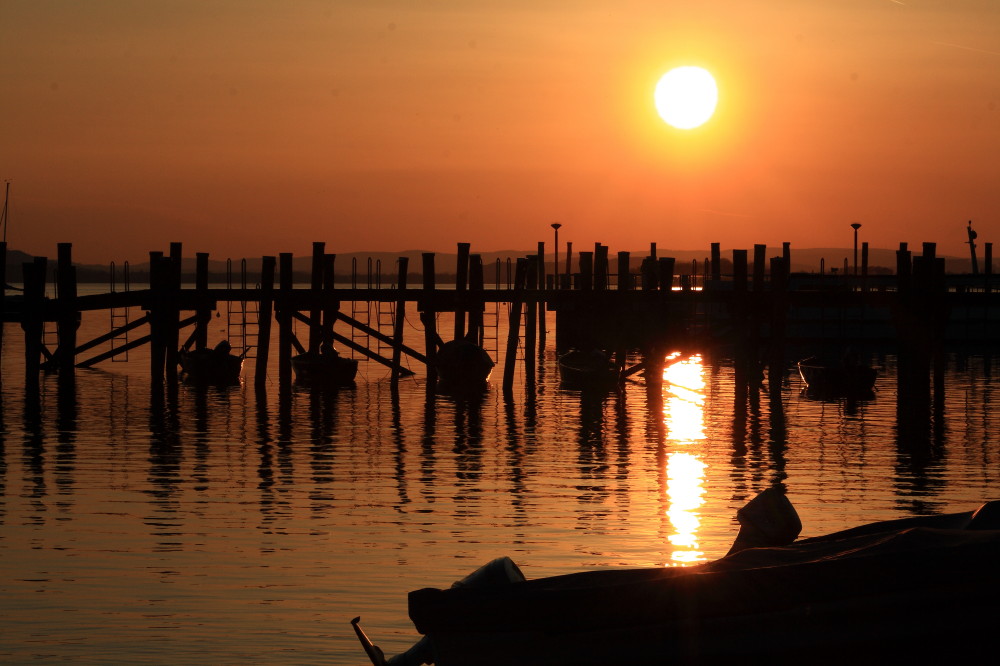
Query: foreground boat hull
<point x="912" y="590"/>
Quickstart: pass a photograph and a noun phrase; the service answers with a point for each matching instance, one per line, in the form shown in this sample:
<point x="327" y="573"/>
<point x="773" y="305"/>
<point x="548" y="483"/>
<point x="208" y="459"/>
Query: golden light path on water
<point x="684" y="418"/>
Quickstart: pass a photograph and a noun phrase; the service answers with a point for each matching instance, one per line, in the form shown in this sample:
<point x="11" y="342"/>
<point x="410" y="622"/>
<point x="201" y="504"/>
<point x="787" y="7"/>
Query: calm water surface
<point x="219" y="527"/>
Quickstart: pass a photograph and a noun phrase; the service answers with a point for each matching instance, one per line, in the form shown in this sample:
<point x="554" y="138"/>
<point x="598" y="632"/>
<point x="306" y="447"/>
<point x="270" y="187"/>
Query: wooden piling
<point x="172" y="315"/>
<point x="666" y="266"/>
<point x="264" y="316"/>
<point x="514" y="327"/>
<point x="69" y="317"/>
<point x="461" y="279"/>
<point x="759" y="264"/>
<point x="601" y="268"/>
<point x="567" y="275"/>
<point x="716" y="262"/>
<point x="157" y="340"/>
<point x="284" y="317"/>
<point x="739" y="270"/>
<point x="33" y="277"/>
<point x="476" y="286"/>
<point x="399" y="316"/>
<point x="624" y="275"/>
<point x="428" y="317"/>
<point x="316" y="284"/>
<point x="586" y="271"/>
<point x="864" y="266"/>
<point x="204" y="312"/>
<point x="541" y="302"/>
<point x="3" y="295"/>
<point x="988" y="267"/>
<point x="530" y="324"/>
<point x="329" y="305"/>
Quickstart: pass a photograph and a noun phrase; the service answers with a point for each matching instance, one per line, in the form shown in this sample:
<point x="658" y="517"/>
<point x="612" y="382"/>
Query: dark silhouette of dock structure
<point x="759" y="308"/>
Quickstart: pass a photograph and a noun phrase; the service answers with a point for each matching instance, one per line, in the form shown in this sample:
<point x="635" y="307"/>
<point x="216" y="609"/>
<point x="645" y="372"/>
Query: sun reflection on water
<point x="684" y="419"/>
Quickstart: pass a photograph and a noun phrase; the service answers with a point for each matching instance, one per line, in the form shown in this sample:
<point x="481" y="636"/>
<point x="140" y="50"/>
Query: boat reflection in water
<point x="684" y="421"/>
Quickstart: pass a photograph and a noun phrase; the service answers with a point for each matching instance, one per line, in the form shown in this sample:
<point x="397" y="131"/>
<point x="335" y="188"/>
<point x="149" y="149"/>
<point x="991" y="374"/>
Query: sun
<point x="686" y="97"/>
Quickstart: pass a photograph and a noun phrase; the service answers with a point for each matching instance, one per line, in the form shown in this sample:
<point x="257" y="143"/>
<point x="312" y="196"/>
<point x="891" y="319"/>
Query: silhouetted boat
<point x="463" y="366"/>
<point x="915" y="588"/>
<point x="593" y="369"/>
<point x="837" y="378"/>
<point x="328" y="369"/>
<point x="211" y="366"/>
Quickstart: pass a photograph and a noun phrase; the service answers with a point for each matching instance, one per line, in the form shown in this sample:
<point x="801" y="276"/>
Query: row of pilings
<point x="622" y="312"/>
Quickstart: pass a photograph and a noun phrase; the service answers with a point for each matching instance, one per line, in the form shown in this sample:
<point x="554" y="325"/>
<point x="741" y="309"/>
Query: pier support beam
<point x="264" y="317"/>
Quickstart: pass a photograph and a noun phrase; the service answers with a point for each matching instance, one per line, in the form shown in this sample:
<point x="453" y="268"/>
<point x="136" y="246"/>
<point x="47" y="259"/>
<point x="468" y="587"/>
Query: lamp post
<point x="555" y="246"/>
<point x="856" y="226"/>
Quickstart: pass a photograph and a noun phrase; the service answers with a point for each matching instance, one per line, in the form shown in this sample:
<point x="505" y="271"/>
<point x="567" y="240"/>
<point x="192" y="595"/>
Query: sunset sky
<point x="254" y="127"/>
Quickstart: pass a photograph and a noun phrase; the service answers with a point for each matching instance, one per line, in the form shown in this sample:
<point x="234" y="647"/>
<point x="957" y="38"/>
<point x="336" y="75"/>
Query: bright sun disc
<point x="686" y="97"/>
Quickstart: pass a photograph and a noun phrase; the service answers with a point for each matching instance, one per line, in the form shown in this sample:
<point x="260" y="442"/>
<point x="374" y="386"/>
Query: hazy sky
<point x="249" y="127"/>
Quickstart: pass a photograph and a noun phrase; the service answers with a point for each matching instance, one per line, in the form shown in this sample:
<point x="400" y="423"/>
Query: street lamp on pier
<point x="555" y="228"/>
<point x="856" y="226"/>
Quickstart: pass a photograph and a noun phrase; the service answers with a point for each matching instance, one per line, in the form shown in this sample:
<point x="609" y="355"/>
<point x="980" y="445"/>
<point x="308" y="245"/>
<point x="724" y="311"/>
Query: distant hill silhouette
<point x="384" y="264"/>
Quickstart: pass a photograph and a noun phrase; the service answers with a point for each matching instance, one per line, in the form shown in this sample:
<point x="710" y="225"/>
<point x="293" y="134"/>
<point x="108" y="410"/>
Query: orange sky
<point x="249" y="127"/>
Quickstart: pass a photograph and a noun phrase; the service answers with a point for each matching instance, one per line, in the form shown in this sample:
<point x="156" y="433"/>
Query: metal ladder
<point x="119" y="316"/>
<point x="360" y="310"/>
<point x="385" y="312"/>
<point x="242" y="317"/>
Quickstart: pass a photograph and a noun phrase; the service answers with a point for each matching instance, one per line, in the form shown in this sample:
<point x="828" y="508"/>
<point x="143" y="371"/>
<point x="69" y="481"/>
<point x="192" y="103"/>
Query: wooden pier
<point x="759" y="309"/>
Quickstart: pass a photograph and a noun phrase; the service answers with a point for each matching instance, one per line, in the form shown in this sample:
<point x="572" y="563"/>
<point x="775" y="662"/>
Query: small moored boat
<point x="324" y="368"/>
<point x="846" y="377"/>
<point x="463" y="366"/>
<point x="215" y="366"/>
<point x="579" y="369"/>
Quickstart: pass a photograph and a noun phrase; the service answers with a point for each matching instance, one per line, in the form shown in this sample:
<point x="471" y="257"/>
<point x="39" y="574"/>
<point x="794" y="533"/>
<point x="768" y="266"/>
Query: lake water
<point x="216" y="527"/>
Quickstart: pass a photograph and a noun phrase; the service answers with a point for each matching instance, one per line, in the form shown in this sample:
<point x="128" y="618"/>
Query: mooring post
<point x="759" y="264"/>
<point x="264" y="316"/>
<point x="530" y="324"/>
<point x="173" y="314"/>
<point x="157" y="342"/>
<point x="201" y="289"/>
<point x="69" y="317"/>
<point x="476" y="286"/>
<point x="648" y="271"/>
<point x="586" y="271"/>
<point x="514" y="327"/>
<point x="461" y="279"/>
<point x="739" y="271"/>
<point x="987" y="267"/>
<point x="601" y="268"/>
<point x="566" y="278"/>
<point x="716" y="262"/>
<point x="399" y="316"/>
<point x="541" y="301"/>
<point x="864" y="266"/>
<point x="666" y="273"/>
<point x="624" y="275"/>
<point x="428" y="317"/>
<point x="3" y="292"/>
<point x="330" y="305"/>
<point x="284" y="315"/>
<point x="33" y="276"/>
<point x="315" y="284"/>
<point x="904" y="269"/>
